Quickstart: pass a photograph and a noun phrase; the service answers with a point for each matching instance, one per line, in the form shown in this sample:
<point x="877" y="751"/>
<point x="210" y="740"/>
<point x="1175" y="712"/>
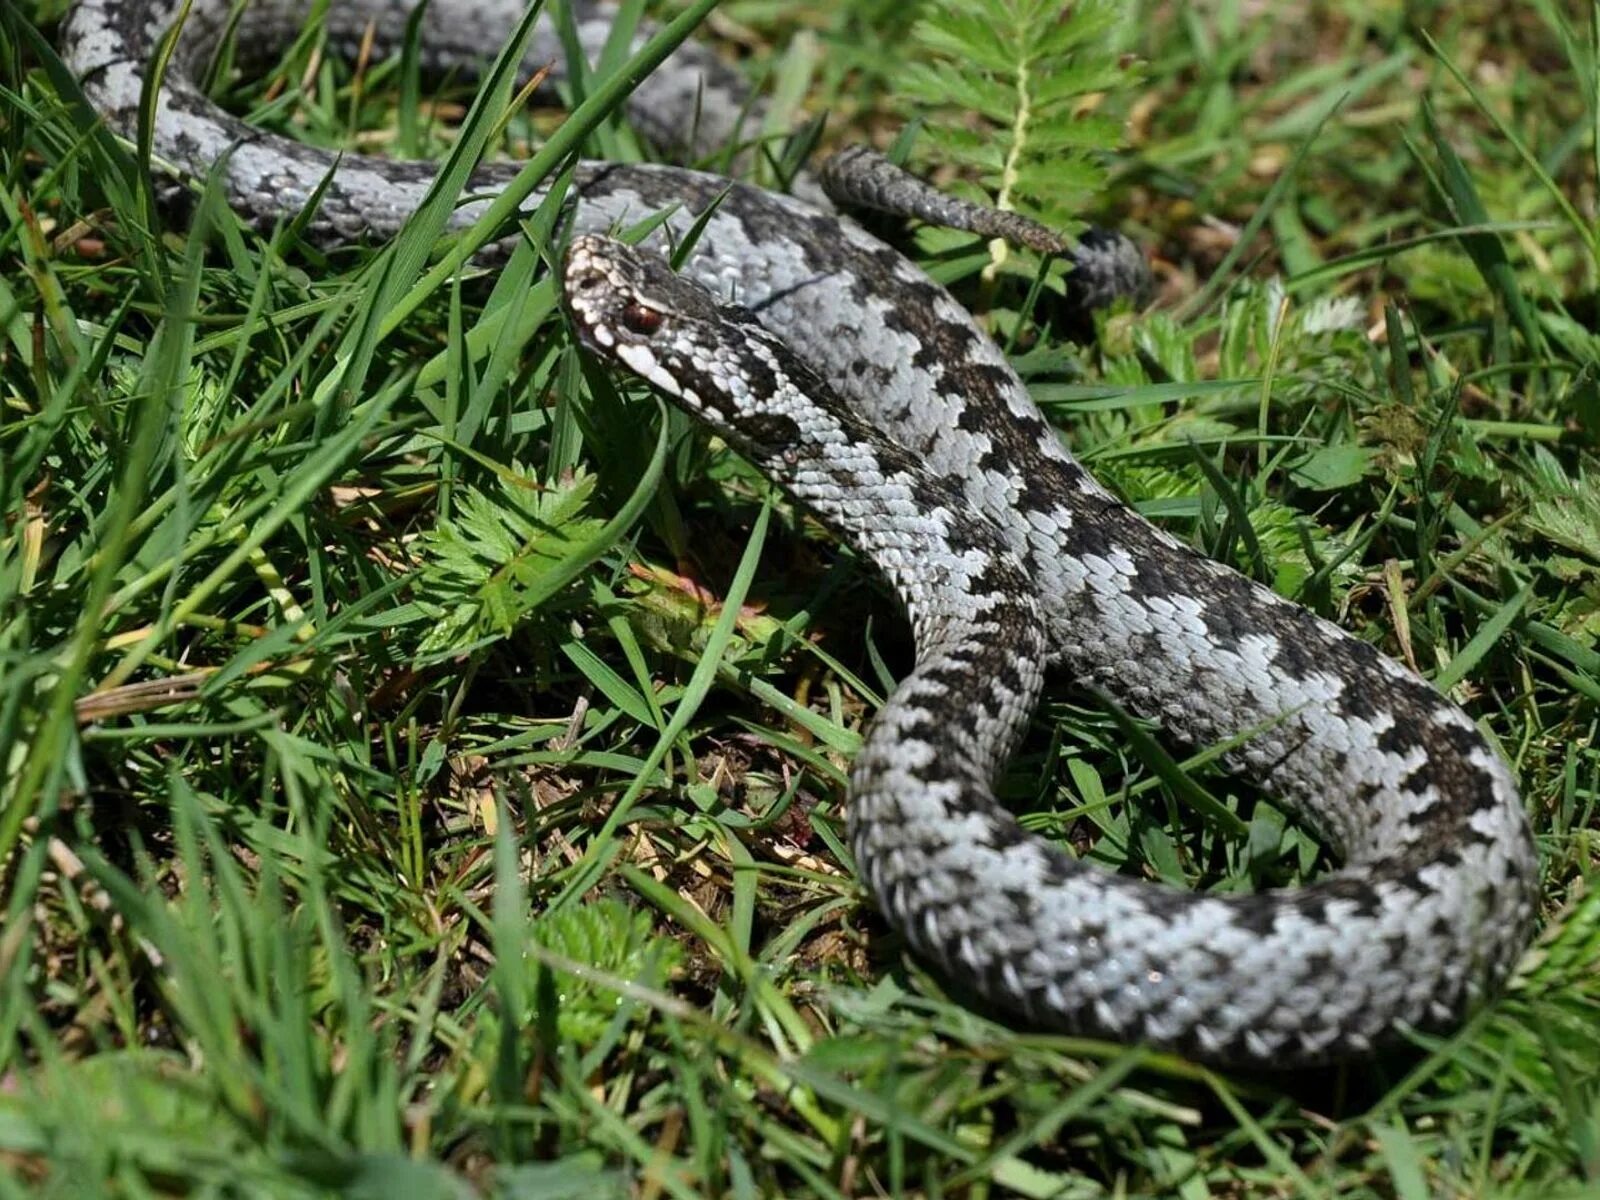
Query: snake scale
<point x="867" y="392"/>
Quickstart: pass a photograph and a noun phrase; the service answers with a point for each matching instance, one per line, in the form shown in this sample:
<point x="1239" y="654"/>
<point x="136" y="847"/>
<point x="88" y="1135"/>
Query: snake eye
<point x="641" y="320"/>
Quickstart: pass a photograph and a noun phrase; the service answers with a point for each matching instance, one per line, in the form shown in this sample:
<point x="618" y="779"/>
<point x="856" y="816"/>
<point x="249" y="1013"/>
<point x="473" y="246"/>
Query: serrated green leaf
<point x="490" y="558"/>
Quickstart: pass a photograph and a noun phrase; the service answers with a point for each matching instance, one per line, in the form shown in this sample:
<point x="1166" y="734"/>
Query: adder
<point x="871" y="395"/>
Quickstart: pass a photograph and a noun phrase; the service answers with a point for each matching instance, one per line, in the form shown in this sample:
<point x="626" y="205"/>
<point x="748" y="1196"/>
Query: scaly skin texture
<point x="872" y="396"/>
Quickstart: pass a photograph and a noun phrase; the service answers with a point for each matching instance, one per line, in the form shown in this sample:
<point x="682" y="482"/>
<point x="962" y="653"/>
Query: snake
<point x="869" y="394"/>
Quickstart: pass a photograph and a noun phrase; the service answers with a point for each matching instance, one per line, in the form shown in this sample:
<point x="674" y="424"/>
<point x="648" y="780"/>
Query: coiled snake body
<point x="872" y="396"/>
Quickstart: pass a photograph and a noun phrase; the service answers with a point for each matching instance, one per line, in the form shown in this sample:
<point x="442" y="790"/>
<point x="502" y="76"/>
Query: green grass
<point x="422" y="753"/>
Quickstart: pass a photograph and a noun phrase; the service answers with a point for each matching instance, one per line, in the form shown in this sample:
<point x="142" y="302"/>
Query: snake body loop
<point x="865" y="390"/>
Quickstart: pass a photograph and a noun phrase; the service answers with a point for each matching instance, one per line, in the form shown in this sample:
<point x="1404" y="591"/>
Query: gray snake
<point x="872" y="396"/>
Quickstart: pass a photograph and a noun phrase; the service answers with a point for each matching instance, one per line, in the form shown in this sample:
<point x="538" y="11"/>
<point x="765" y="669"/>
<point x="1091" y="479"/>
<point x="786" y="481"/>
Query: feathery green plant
<point x="483" y="567"/>
<point x="1005" y="90"/>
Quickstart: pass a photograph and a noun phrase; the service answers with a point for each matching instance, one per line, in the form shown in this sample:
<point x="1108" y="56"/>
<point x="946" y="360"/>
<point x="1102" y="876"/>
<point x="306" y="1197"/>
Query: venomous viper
<point x="867" y="392"/>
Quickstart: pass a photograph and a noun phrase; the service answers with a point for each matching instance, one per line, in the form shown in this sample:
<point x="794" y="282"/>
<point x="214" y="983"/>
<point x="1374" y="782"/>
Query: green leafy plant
<point x="485" y="568"/>
<point x="1005" y="90"/>
<point x="615" y="941"/>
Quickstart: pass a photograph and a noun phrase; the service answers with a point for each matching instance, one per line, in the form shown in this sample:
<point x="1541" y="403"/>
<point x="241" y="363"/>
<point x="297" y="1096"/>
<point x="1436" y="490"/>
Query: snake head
<point x="715" y="360"/>
<point x="628" y="305"/>
<point x="619" y="295"/>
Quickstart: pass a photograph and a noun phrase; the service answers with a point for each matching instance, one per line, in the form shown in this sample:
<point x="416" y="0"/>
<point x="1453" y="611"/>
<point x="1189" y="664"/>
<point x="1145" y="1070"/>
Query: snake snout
<point x="584" y="266"/>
